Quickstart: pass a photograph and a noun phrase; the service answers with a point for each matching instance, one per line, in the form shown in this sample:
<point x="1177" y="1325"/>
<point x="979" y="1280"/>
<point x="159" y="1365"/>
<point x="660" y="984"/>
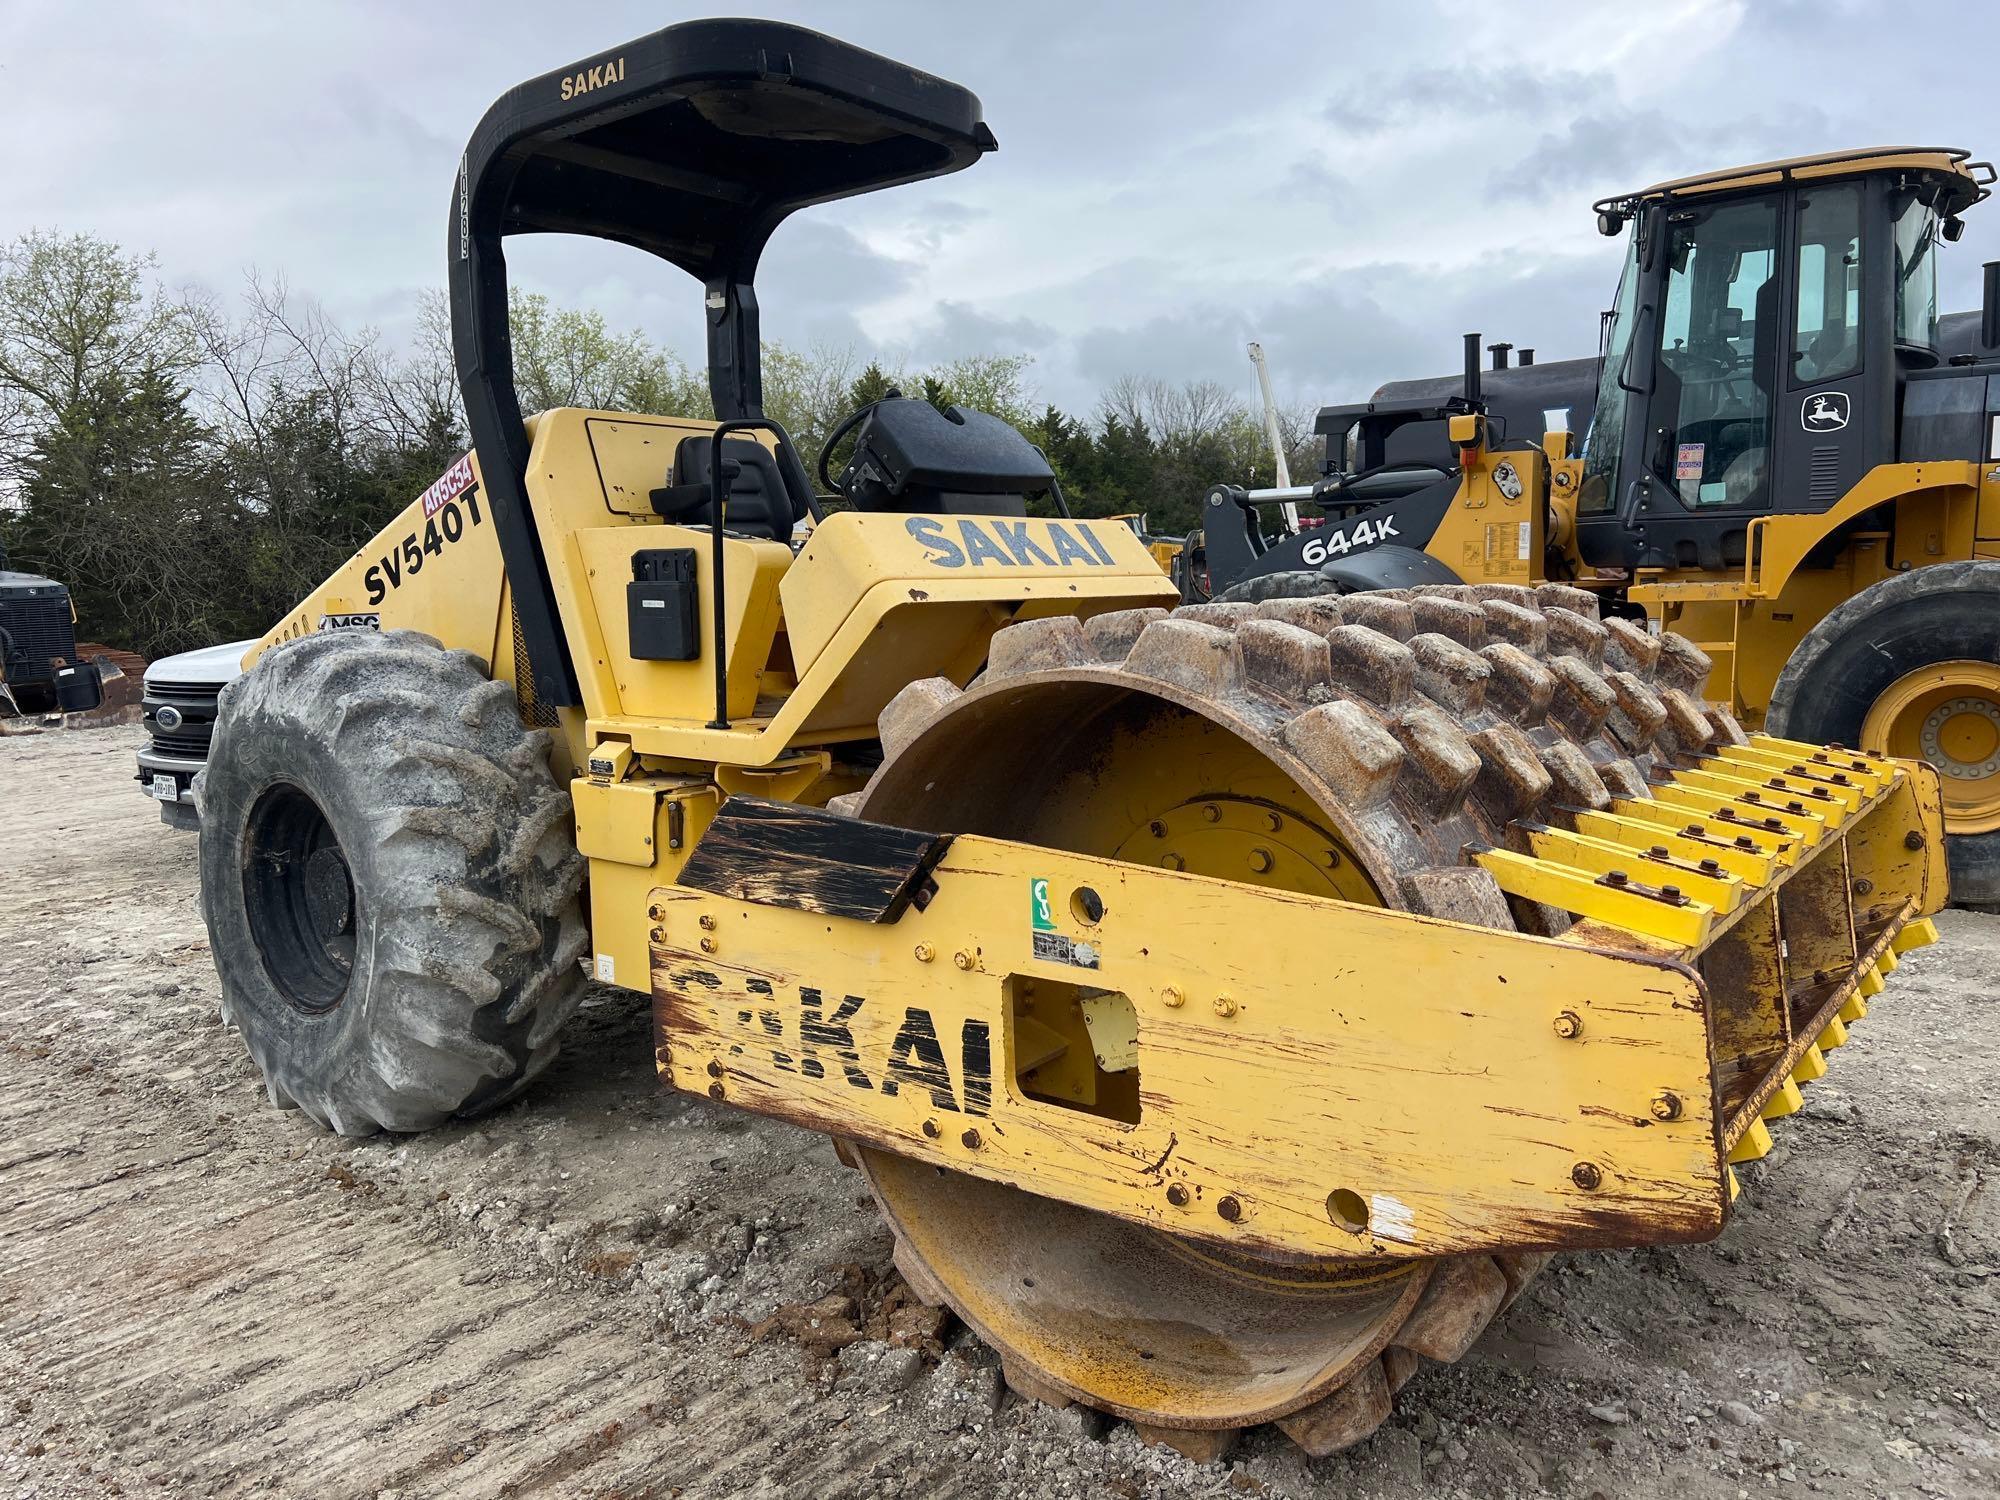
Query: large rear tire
<point x="390" y="881"/>
<point x="1908" y="667"/>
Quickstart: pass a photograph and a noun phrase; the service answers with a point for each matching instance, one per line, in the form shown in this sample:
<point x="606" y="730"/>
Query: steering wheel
<point x="847" y="424"/>
<point x="1684" y="361"/>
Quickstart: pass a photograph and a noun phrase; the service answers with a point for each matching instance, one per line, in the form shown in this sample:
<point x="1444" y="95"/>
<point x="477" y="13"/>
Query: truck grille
<point x="193" y="705"/>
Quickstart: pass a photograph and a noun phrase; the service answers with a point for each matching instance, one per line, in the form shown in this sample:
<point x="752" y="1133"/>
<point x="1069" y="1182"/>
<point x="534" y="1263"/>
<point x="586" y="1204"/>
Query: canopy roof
<point x="1965" y="180"/>
<point x="695" y="142"/>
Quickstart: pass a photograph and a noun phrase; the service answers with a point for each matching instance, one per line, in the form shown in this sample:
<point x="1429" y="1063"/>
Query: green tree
<point x="76" y="311"/>
<point x="119" y="499"/>
<point x="567" y="357"/>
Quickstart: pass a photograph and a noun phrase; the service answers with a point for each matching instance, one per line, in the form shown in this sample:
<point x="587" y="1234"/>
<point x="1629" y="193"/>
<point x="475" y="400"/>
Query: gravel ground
<point x="200" y="1295"/>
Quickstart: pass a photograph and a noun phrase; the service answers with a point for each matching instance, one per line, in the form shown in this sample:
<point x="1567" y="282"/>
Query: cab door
<point x="1824" y="435"/>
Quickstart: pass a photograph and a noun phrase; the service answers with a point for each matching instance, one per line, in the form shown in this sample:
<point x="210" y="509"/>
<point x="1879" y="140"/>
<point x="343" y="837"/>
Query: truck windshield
<point x="1606" y="436"/>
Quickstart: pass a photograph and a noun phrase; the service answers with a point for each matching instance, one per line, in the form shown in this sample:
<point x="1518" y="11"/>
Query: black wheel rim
<point x="299" y="895"/>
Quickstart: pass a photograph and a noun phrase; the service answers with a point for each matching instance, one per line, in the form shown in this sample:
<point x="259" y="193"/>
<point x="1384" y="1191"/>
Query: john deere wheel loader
<point x="1784" y="463"/>
<point x="1229" y="1007"/>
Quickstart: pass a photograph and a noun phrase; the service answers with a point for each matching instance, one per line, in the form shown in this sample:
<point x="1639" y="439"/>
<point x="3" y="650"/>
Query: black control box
<point x="660" y="605"/>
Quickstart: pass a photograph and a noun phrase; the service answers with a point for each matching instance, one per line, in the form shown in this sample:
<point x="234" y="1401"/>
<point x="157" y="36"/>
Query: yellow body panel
<point x="434" y="568"/>
<point x="872" y="603"/>
<point x="922" y="1055"/>
<point x="1751" y="622"/>
<point x="1490" y="535"/>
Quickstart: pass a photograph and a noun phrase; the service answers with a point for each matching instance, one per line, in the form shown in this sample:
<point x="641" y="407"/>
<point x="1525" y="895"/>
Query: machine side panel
<point x="434" y="568"/>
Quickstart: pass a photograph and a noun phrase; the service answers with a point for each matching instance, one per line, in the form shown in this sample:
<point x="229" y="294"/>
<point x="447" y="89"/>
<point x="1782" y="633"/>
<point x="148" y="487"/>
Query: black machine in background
<point x="39" y="669"/>
<point x="1388" y="463"/>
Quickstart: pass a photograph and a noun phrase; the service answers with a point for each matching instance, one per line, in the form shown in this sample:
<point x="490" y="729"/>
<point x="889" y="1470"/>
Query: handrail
<point x="718" y="498"/>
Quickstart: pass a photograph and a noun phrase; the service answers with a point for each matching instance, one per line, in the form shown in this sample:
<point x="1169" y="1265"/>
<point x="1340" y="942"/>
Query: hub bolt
<point x="1157" y="829"/>
<point x="1666" y="1106"/>
<point x="1569" y="1025"/>
<point x="715" y="1070"/>
<point x="1586" y="1176"/>
<point x="1211" y="813"/>
<point x="1172" y="862"/>
<point x="971" y="1140"/>
<point x="707" y="922"/>
<point x="659" y="934"/>
<point x="708" y="945"/>
<point x="1177" y="1194"/>
<point x="925" y="953"/>
<point x="1261" y="861"/>
<point x="1230" y="1209"/>
<point x="931" y="1130"/>
<point x="715" y="1091"/>
<point x="1913" y="840"/>
<point x="962" y="959"/>
<point x="1224" y="1006"/>
<point x="1172" y="998"/>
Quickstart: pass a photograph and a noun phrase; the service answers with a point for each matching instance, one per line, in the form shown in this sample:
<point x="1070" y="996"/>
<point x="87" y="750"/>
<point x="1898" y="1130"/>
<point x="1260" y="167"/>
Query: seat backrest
<point x="758" y="503"/>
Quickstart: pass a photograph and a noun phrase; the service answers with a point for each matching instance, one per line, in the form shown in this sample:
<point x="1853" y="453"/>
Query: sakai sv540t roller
<point x="1230" y="1007"/>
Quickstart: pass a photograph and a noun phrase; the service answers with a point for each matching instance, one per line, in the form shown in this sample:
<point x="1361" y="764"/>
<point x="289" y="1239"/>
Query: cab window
<point x="1718" y="330"/>
<point x="1826" y="331"/>
<point x="1916" y="275"/>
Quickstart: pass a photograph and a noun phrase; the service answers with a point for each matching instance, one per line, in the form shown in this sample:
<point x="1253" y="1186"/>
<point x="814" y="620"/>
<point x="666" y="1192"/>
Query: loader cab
<point x="1766" y="323"/>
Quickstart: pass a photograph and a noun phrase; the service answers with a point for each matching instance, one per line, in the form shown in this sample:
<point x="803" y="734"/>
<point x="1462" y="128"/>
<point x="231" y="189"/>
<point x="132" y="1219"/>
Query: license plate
<point x="165" y="790"/>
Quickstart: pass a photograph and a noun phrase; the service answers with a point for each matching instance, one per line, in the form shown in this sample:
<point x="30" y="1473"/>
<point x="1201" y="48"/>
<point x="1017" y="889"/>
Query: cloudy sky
<point x="1353" y="185"/>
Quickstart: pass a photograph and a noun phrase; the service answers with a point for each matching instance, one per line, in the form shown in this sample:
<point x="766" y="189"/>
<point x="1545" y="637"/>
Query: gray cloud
<point x="1164" y="191"/>
<point x="810" y="260"/>
<point x="1612" y="152"/>
<point x="1376" y="104"/>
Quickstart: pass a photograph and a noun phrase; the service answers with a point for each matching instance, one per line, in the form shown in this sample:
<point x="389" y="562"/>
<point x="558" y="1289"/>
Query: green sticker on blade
<point x="1041" y="918"/>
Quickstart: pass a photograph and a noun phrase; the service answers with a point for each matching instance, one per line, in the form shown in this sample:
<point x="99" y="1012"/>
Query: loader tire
<point x="1910" y="666"/>
<point x="390" y="881"/>
<point x="1351" y="747"/>
<point x="1297" y="584"/>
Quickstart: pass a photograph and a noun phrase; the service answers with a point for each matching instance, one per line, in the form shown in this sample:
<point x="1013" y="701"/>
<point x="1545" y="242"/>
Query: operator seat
<point x="759" y="505"/>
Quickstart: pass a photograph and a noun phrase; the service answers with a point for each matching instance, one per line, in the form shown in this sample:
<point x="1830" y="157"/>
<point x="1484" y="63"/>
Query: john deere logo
<point x="1826" y="412"/>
